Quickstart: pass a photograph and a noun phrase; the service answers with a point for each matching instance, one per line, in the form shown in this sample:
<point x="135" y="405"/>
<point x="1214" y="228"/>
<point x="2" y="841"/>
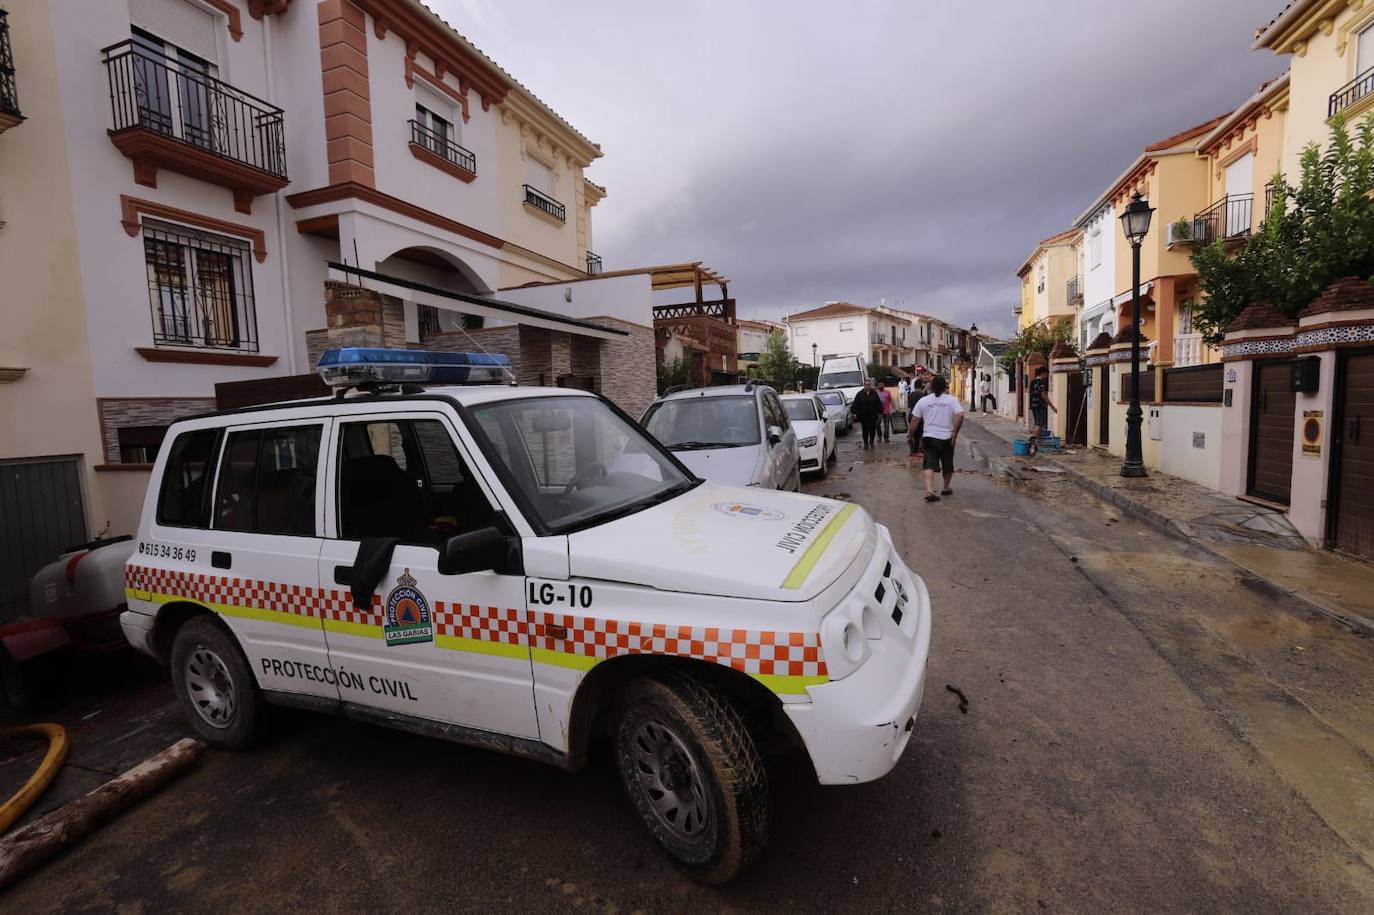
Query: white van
<point x="524" y="569"/>
<point x="843" y="373"/>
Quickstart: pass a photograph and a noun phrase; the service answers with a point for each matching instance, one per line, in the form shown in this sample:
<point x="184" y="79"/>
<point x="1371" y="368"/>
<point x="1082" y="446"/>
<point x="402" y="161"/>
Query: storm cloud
<point x="912" y="152"/>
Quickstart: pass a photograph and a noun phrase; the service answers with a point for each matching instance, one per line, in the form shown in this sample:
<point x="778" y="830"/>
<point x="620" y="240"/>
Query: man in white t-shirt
<point x="937" y="419"/>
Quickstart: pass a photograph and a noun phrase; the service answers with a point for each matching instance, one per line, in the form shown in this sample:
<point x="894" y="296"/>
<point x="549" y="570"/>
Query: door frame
<point x="1333" y="467"/>
<point x="1253" y="435"/>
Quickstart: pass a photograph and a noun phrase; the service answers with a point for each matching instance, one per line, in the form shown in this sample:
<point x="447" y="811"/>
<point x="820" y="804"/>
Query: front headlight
<point x="808" y="442"/>
<point x="845" y="635"/>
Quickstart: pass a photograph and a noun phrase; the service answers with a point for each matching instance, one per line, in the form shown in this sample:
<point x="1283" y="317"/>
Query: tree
<point x="1041" y="337"/>
<point x="775" y="362"/>
<point x="678" y="371"/>
<point x="1314" y="233"/>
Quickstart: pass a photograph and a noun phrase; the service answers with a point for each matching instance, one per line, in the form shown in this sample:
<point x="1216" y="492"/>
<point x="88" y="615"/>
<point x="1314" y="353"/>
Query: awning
<point x="467" y="303"/>
<point x="1126" y="296"/>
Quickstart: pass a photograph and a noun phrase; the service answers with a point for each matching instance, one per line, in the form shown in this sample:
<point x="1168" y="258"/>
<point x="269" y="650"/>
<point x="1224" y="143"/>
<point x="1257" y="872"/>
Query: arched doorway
<point x="435" y="267"/>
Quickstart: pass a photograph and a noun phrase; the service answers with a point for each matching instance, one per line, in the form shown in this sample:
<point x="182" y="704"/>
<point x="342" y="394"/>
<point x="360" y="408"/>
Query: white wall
<point x="1177" y="453"/>
<point x="629" y="298"/>
<point x="1099" y="283"/>
<point x="829" y="339"/>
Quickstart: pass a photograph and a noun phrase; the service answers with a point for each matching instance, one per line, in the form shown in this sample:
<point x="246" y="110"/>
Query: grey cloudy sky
<point x="912" y="152"/>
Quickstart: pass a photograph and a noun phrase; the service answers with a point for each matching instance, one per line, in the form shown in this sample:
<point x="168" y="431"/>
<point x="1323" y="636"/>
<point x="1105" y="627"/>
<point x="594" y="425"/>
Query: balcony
<point x="1074" y="290"/>
<point x="1350" y="93"/>
<point x="1228" y="219"/>
<point x="1187" y="350"/>
<point x="9" y="99"/>
<point x="877" y="337"/>
<point x="543" y="203"/>
<point x="438" y="150"/>
<point x="594" y="263"/>
<point x="167" y="116"/>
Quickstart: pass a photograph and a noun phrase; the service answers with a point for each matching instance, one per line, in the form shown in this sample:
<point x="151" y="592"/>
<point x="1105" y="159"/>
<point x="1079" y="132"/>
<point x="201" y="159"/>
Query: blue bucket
<point x="1020" y="447"/>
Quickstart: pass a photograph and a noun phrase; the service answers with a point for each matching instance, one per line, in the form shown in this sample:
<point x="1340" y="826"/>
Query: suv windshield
<point x="842" y="380"/>
<point x="800" y="409"/>
<point x="704" y="422"/>
<point x="574" y="460"/>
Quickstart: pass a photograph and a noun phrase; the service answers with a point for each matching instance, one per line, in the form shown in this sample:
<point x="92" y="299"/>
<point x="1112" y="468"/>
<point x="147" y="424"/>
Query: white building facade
<point x="1101" y="235"/>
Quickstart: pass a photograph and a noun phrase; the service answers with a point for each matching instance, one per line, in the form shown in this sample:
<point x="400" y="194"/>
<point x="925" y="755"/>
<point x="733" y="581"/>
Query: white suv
<point x="523" y="570"/>
<point x="737" y="434"/>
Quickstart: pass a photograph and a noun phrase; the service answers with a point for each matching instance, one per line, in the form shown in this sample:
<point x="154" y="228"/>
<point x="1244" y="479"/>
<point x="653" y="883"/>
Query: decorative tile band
<point x="1250" y="349"/>
<point x="1334" y="336"/>
<point x="1097" y="360"/>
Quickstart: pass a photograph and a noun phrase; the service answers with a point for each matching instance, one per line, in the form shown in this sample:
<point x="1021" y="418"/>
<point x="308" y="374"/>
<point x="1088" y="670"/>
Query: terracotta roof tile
<point x="1186" y="135"/>
<point x="1345" y="294"/>
<point x="1062" y="351"/>
<point x="1257" y="316"/>
<point x="830" y="310"/>
<point x="1124" y="336"/>
<point x="1101" y="341"/>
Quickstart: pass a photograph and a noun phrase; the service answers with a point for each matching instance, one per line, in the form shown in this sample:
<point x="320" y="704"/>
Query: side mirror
<point x="774" y="434"/>
<point x="476" y="551"/>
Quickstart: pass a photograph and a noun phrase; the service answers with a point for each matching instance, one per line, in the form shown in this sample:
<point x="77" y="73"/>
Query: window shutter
<point x="184" y="25"/>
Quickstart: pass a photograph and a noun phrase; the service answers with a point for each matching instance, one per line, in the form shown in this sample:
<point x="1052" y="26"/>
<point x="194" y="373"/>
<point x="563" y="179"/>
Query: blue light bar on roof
<point x="371" y="365"/>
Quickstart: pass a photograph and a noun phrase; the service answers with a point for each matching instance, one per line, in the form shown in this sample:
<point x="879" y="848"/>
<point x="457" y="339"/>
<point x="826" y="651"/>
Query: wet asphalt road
<point x="1144" y="732"/>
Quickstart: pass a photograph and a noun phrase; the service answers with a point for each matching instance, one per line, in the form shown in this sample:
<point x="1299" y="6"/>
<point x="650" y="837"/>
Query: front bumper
<point x="810" y="457"/>
<point x="856" y="728"/>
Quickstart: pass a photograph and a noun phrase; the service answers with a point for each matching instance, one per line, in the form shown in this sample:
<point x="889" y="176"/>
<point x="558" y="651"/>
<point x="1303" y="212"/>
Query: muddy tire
<point x="825" y="468"/>
<point x="692" y="770"/>
<point x="214" y="684"/>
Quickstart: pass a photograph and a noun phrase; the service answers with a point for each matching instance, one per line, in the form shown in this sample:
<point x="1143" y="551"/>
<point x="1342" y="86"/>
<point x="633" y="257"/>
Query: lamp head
<point x="1135" y="219"/>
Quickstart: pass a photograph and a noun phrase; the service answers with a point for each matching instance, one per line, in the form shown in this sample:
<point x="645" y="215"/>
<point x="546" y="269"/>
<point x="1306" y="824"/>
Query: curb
<point x="1184" y="532"/>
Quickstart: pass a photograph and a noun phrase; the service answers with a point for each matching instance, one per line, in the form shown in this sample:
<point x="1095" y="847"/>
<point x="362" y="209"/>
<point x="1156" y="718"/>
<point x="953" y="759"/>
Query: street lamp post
<point x="813" y="355"/>
<point x="1135" y="222"/>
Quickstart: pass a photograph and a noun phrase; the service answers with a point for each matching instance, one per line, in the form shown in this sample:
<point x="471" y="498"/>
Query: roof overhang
<point x="467" y="303"/>
<point x="1125" y="297"/>
<point x="1295" y="24"/>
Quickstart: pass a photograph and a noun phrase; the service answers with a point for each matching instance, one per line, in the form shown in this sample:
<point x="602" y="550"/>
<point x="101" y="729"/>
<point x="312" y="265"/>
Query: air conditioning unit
<point x="1173" y="235"/>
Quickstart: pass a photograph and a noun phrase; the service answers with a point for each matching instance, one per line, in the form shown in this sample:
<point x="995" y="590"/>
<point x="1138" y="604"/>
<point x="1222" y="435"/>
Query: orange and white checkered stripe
<point x="762" y="653"/>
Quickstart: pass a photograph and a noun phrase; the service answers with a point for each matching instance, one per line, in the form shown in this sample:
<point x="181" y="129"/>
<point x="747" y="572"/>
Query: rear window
<point x="267" y="481"/>
<point x="800" y="410"/>
<point x="184" y="500"/>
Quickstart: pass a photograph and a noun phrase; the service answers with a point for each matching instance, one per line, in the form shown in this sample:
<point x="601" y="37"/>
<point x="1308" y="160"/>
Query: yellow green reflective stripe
<point x="788" y="686"/>
<point x="248" y="613"/>
<point x="478" y="646"/>
<point x="797" y="577"/>
<point x="344" y="627"/>
<point x="560" y="659"/>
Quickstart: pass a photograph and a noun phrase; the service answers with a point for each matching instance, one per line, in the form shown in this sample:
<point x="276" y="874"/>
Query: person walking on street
<point x="885" y="421"/>
<point x="938" y="417"/>
<point x="867" y="408"/>
<point x="1040" y="405"/>
<point x="903" y="391"/>
<point x="985" y="394"/>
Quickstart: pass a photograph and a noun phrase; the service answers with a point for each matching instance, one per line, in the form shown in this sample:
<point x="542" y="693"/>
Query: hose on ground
<point x="14" y="808"/>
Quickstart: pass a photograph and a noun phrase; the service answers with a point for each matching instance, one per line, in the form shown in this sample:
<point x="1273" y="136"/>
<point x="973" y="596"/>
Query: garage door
<point x="1354" y="519"/>
<point x="1271" y="432"/>
<point x="40" y="515"/>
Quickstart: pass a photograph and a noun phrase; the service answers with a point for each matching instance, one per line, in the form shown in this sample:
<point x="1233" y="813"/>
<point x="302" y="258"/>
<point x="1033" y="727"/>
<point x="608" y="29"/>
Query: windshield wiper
<point x="698" y="446"/>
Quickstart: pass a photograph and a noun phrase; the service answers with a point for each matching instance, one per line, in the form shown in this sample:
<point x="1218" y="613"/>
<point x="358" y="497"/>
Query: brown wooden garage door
<point x="1271" y="432"/>
<point x="1354" y="476"/>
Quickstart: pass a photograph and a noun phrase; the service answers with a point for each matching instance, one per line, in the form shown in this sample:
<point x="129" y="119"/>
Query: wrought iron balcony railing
<point x="1350" y="93"/>
<point x="543" y="202"/>
<point x="9" y="98"/>
<point x="443" y="147"/>
<point x="1228" y="218"/>
<point x="1074" y="289"/>
<point x="152" y="92"/>
<point x="594" y="263"/>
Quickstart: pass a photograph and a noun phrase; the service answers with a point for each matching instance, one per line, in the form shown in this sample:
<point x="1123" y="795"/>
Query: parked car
<point x="477" y="564"/>
<point x="815" y="431"/>
<point x="737" y="434"/>
<point x="837" y="406"/>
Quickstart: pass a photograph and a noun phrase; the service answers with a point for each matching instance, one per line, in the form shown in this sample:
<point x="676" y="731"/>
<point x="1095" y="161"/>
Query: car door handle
<point x="221" y="560"/>
<point x="343" y="575"/>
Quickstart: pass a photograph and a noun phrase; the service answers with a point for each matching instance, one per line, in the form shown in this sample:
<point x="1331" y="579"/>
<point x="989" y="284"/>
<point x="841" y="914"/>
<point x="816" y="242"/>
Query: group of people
<point x="934" y="417"/>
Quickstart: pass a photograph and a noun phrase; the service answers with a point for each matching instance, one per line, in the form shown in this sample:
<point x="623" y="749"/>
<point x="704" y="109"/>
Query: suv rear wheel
<point x="691" y="767"/>
<point x="214" y="685"/>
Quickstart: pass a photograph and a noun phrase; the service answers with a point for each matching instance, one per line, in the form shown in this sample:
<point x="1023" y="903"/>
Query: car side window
<point x="777" y="415"/>
<point x="267" y="481"/>
<point x="405" y="478"/>
<point x="184" y="500"/>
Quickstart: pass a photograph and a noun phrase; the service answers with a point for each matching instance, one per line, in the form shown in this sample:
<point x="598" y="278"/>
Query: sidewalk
<point x="1258" y="540"/>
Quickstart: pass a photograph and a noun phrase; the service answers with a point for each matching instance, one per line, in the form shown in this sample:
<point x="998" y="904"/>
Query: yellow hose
<point x="13" y="808"/>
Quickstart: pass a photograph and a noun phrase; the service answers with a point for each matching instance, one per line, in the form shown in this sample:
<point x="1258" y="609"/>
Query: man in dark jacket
<point x="868" y="409"/>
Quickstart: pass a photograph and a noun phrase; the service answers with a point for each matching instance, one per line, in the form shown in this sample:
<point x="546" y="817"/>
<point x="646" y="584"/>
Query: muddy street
<point x="1113" y="721"/>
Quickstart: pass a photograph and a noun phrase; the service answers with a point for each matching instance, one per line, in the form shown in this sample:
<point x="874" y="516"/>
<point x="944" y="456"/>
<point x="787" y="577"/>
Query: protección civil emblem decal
<point x="407" y="614"/>
<point x="751" y="512"/>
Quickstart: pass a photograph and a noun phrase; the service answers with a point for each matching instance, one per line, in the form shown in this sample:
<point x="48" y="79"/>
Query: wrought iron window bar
<point x="1074" y="288"/>
<point x="151" y="91"/>
<point x="9" y="97"/>
<point x="200" y="288"/>
<point x="593" y="263"/>
<point x="543" y="202"/>
<point x="442" y="146"/>
<point x="1229" y="217"/>
<point x="1350" y="93"/>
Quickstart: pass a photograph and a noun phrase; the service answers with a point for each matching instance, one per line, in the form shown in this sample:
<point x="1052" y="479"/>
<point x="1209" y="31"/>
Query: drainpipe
<point x="277" y="204"/>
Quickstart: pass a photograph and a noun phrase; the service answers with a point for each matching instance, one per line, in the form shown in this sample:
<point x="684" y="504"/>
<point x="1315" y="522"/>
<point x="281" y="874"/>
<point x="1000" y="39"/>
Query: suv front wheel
<point x="690" y="765"/>
<point x="214" y="685"/>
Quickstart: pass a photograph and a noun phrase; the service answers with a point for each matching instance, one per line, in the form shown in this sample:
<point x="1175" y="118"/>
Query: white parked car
<point x="837" y="407"/>
<point x="737" y="434"/>
<point x="815" y="431"/>
<point x="469" y="563"/>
